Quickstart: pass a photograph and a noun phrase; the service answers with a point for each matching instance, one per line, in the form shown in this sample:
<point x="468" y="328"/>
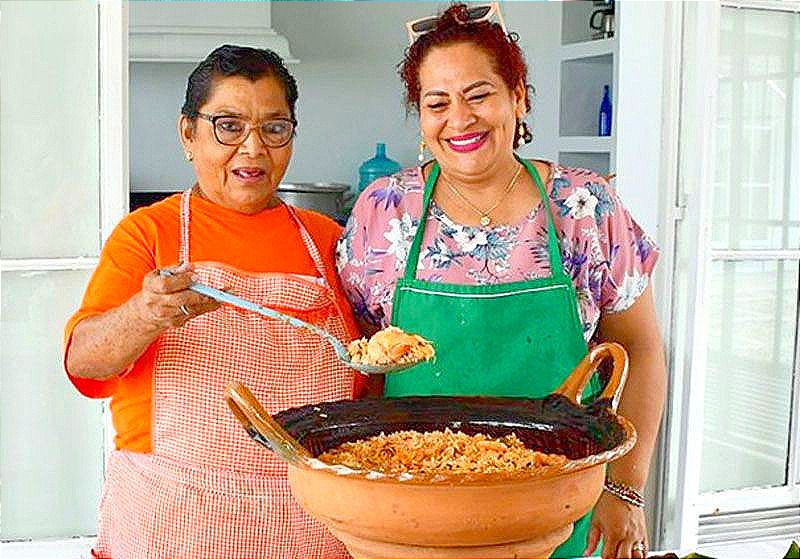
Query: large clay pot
<point x="456" y="515"/>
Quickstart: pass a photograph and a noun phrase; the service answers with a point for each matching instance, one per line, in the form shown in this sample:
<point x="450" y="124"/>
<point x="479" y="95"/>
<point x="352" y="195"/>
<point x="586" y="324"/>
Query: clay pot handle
<point x="261" y="427"/>
<point x="573" y="386"/>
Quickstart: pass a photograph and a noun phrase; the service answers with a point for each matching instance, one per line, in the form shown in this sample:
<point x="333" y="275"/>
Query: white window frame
<point x="114" y="158"/>
<point x="773" y="497"/>
<point x="692" y="35"/>
<point x="680" y="503"/>
<point x="113" y="186"/>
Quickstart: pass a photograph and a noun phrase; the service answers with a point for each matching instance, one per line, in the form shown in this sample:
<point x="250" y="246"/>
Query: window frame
<point x="690" y="114"/>
<point x="788" y="495"/>
<point x="112" y="51"/>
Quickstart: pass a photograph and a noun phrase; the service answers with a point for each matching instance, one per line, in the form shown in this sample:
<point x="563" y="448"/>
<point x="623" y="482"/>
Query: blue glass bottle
<point x="378" y="166"/>
<point x="604" y="118"/>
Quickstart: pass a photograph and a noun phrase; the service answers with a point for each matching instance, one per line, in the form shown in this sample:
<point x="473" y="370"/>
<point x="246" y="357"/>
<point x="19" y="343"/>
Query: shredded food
<point x="440" y="452"/>
<point x="390" y="346"/>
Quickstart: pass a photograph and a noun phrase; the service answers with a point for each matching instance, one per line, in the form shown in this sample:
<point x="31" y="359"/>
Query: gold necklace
<point x="485" y="220"/>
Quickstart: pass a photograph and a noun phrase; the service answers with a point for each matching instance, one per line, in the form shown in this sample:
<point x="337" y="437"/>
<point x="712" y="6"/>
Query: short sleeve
<point x="363" y="283"/>
<point x="630" y="254"/>
<point x="126" y="258"/>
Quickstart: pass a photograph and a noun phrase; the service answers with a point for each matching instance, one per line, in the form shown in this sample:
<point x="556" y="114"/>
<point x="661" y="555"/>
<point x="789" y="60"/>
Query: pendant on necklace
<point x="485" y="220"/>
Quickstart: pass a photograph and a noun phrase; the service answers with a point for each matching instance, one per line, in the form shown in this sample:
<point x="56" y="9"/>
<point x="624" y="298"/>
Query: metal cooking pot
<point x="324" y="197"/>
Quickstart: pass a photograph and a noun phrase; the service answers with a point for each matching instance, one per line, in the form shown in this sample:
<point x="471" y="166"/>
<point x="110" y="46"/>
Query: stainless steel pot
<point x="325" y="197"/>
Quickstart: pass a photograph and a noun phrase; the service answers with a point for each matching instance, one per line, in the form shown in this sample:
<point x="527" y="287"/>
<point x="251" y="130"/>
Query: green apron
<point x="515" y="339"/>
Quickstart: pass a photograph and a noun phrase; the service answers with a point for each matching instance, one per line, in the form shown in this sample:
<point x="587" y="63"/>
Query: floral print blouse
<point x="607" y="254"/>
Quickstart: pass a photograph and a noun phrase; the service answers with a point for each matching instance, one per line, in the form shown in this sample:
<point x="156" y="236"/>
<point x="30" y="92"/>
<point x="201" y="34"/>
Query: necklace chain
<point x="485" y="219"/>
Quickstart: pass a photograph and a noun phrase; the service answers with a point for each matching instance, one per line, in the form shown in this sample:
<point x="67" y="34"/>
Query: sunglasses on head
<point x="475" y="14"/>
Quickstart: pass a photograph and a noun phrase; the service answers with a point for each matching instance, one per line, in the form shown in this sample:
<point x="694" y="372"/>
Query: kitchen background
<point x="351" y="96"/>
<point x="704" y="142"/>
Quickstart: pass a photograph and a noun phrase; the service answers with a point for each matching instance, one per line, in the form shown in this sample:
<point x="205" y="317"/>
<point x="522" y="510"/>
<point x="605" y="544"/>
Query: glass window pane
<point x="756" y="187"/>
<point x="751" y="334"/>
<point x="51" y="438"/>
<point x="49" y="129"/>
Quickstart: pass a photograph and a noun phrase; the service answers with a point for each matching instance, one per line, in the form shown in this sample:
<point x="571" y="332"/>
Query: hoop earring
<point x="421" y="156"/>
<point x="188" y="155"/>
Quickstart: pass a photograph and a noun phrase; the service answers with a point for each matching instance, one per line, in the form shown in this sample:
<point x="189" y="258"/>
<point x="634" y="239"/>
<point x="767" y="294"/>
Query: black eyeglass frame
<point x="214" y="118"/>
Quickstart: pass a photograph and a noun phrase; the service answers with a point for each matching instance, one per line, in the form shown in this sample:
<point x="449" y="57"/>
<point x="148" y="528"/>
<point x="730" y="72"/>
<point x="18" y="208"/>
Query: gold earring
<point x="188" y="155"/>
<point x="421" y="156"/>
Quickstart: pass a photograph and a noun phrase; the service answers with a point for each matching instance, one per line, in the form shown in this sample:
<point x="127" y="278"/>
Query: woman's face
<point x="467" y="113"/>
<point x="244" y="177"/>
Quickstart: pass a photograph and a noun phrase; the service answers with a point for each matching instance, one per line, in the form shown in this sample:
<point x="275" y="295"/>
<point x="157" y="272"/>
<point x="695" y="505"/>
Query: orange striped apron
<point x="207" y="490"/>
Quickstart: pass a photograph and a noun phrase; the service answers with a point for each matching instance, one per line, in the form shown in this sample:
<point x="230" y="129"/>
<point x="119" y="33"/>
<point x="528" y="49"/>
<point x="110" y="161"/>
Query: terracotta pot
<point x="520" y="514"/>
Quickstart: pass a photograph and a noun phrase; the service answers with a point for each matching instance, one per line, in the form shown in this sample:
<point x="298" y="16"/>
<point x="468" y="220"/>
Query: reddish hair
<point x="507" y="57"/>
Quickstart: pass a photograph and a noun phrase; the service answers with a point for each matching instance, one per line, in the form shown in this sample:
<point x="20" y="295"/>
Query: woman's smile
<point x="467" y="142"/>
<point x="468" y="114"/>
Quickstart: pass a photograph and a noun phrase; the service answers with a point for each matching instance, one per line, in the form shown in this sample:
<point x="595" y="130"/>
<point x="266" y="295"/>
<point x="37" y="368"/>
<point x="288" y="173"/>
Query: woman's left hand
<point x="620" y="525"/>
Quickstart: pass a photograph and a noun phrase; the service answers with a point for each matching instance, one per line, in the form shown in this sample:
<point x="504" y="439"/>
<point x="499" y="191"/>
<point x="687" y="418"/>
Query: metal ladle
<point x="341" y="351"/>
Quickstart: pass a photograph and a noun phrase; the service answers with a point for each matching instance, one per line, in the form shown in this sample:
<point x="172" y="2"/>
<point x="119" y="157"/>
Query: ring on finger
<point x="184" y="310"/>
<point x="640" y="547"/>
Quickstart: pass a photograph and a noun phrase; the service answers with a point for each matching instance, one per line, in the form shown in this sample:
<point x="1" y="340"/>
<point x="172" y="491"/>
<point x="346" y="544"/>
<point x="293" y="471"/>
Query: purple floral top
<point x="607" y="254"/>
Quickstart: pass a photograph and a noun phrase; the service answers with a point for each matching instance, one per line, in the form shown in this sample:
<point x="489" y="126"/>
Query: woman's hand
<point x="106" y="344"/>
<point x="167" y="302"/>
<point x="620" y="525"/>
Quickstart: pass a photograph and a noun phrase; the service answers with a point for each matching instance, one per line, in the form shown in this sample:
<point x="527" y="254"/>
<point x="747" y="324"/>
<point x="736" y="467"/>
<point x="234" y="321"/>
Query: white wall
<point x="641" y="91"/>
<point x="156" y="97"/>
<point x="350" y="93"/>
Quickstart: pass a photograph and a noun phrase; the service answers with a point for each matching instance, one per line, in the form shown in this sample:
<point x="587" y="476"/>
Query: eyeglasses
<point x="475" y="14"/>
<point x="233" y="130"/>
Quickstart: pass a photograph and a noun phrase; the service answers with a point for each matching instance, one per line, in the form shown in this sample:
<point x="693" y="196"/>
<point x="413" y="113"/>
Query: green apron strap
<point x="413" y="253"/>
<point x="556" y="265"/>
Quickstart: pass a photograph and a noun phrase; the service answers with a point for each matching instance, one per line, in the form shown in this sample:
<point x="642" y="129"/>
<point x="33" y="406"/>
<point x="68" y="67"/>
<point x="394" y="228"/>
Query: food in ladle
<point x="438" y="452"/>
<point x="390" y="346"/>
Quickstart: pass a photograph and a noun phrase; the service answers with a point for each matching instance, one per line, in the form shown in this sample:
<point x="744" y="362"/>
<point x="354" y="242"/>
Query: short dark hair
<point x="232" y="60"/>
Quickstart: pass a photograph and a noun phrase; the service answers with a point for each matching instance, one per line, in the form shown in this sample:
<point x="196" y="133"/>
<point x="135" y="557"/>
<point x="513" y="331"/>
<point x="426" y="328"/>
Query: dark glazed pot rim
<point x="586" y="435"/>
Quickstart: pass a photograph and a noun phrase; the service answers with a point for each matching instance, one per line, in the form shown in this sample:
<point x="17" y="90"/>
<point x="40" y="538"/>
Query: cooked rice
<point x="390" y="346"/>
<point x="440" y="452"/>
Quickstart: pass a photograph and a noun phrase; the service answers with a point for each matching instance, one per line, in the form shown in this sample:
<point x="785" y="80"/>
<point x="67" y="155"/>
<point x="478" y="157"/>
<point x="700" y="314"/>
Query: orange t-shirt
<point x="149" y="238"/>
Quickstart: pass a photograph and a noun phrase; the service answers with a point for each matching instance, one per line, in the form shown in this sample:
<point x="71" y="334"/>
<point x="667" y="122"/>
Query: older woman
<point x="184" y="480"/>
<point x="509" y="266"/>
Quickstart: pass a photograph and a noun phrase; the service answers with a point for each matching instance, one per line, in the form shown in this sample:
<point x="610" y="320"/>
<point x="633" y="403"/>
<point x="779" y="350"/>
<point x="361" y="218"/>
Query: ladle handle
<point x="576" y="382"/>
<point x="261" y="426"/>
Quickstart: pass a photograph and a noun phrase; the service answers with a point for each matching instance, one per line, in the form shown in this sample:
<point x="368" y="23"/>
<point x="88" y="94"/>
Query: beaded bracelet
<point x="624" y="492"/>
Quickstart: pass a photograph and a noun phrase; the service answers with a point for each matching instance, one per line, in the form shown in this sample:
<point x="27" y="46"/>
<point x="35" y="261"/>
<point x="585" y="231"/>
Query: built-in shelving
<point x="587" y="64"/>
<point x="575" y="18"/>
<point x="592" y="144"/>
<point x="596" y="161"/>
<point x="587" y="49"/>
<point x="582" y="81"/>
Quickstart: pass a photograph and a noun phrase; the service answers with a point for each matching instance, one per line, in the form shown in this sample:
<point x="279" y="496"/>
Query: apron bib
<point x="207" y="490"/>
<point x="518" y="339"/>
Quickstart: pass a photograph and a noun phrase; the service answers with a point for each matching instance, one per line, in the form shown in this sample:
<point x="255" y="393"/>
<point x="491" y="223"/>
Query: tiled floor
<point x="773" y="549"/>
<point x="76" y="548"/>
<point x="79" y="549"/>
